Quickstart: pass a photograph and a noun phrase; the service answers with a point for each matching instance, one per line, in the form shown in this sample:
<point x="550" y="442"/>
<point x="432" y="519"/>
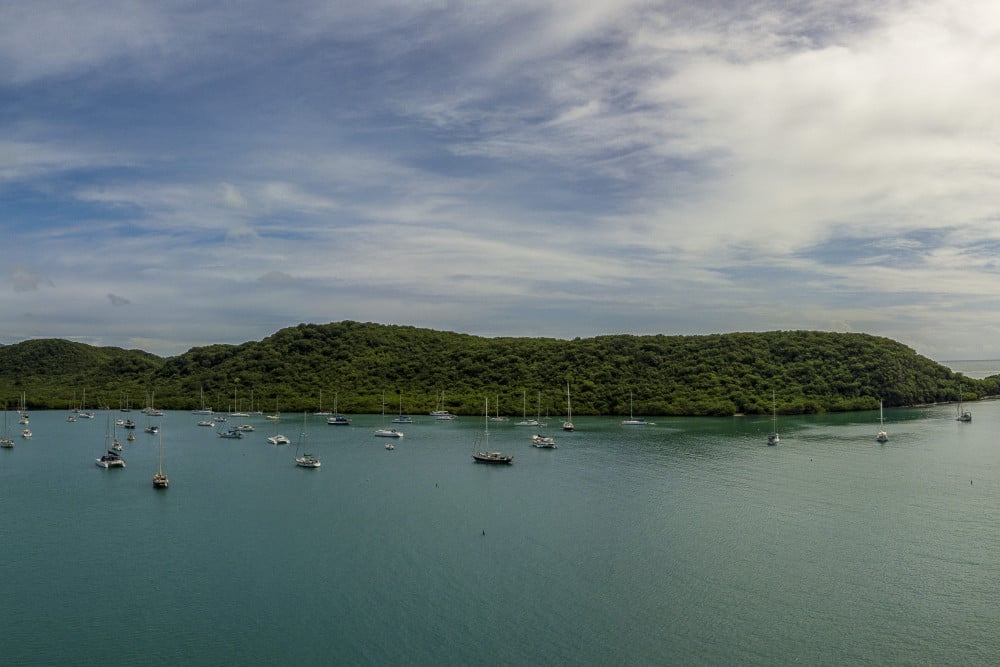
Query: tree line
<point x="300" y="367"/>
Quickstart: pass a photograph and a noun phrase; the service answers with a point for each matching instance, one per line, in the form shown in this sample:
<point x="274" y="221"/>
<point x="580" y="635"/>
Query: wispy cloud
<point x="27" y="279"/>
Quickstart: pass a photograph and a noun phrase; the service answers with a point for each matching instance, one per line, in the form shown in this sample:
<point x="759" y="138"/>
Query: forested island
<point x="309" y="366"/>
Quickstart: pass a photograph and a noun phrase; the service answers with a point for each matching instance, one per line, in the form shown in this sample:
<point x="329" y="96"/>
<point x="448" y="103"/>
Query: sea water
<point x="689" y="541"/>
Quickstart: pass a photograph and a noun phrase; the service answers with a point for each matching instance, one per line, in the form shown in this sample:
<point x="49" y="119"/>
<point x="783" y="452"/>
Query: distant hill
<point x="718" y="374"/>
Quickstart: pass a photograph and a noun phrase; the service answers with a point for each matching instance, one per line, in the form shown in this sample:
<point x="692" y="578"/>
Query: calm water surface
<point x="687" y="542"/>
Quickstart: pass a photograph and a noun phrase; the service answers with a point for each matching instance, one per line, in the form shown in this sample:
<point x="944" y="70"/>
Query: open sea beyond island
<point x="689" y="541"/>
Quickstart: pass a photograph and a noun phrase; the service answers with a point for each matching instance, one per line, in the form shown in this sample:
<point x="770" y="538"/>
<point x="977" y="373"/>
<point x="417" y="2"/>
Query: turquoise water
<point x="687" y="542"/>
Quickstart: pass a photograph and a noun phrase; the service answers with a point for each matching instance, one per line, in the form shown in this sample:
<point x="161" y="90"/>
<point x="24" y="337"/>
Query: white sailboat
<point x="236" y="411"/>
<point x="882" y="435"/>
<point x="160" y="480"/>
<point x="151" y="409"/>
<point x="773" y="438"/>
<point x="632" y="421"/>
<point x="568" y="424"/>
<point x="22" y="413"/>
<point x="386" y="432"/>
<point x="307" y="460"/>
<point x="202" y="410"/>
<point x="524" y="411"/>
<point x="538" y="411"/>
<point x="543" y="441"/>
<point x="402" y="419"/>
<point x="962" y="415"/>
<point x="321" y="412"/>
<point x="111" y="458"/>
<point x="115" y="445"/>
<point x="6" y="441"/>
<point x="441" y="413"/>
<point x="277" y="415"/>
<point x="498" y="418"/>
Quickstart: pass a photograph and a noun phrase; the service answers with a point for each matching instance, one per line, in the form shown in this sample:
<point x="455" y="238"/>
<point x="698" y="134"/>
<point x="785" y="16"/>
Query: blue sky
<point x="175" y="174"/>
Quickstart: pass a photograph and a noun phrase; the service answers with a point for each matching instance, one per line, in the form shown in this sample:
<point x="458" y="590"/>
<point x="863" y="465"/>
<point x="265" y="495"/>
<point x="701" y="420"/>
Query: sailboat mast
<point x="569" y="404"/>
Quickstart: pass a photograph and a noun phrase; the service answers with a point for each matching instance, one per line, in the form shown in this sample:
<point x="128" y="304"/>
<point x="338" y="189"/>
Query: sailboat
<point x="386" y="432"/>
<point x="152" y="410"/>
<point x="632" y="421"/>
<point x="277" y="438"/>
<point x="276" y="415"/>
<point x="538" y="412"/>
<point x="772" y="438"/>
<point x="486" y="456"/>
<point x="307" y="460"/>
<point x="258" y="411"/>
<point x="236" y="411"/>
<point x="22" y="413"/>
<point x="543" y="441"/>
<point x="111" y="459"/>
<point x="498" y="418"/>
<point x="6" y="441"/>
<point x="321" y="412"/>
<point x="524" y="411"/>
<point x="202" y="410"/>
<point x="231" y="434"/>
<point x="115" y="445"/>
<point x="160" y="480"/>
<point x="962" y="415"/>
<point x="441" y="413"/>
<point x="402" y="419"/>
<point x="337" y="419"/>
<point x="882" y="435"/>
<point x="568" y="424"/>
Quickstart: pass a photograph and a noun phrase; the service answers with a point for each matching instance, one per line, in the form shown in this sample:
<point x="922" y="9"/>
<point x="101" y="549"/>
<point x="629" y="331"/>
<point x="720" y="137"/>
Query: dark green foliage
<point x="718" y="374"/>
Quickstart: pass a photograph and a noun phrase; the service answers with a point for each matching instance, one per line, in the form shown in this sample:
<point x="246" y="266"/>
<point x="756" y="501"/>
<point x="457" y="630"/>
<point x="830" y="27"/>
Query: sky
<point x="179" y="173"/>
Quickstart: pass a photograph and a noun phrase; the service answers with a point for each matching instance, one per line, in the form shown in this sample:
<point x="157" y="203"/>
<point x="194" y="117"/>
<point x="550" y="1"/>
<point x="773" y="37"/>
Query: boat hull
<point x="492" y="457"/>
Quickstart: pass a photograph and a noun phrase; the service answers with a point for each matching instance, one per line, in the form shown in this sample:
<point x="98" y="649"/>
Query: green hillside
<point x="717" y="374"/>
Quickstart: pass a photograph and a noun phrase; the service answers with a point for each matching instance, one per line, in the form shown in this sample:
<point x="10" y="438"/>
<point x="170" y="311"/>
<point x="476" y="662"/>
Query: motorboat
<point x="543" y="442"/>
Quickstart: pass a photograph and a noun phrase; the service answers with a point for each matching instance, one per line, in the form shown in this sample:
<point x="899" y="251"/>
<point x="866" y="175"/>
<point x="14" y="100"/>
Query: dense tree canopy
<point x="355" y="363"/>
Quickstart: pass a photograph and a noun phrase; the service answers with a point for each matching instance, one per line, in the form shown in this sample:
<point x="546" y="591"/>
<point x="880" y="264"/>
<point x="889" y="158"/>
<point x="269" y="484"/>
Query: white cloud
<point x="231" y="196"/>
<point x="276" y="278"/>
<point x="26" y="279"/>
<point x="640" y="163"/>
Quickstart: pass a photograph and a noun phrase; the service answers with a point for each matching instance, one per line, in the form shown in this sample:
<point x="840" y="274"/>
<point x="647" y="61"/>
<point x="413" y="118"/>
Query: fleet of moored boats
<point x="111" y="458"/>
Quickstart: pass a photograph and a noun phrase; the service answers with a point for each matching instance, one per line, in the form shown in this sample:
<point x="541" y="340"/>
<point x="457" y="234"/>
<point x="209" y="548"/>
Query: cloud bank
<point x="561" y="169"/>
